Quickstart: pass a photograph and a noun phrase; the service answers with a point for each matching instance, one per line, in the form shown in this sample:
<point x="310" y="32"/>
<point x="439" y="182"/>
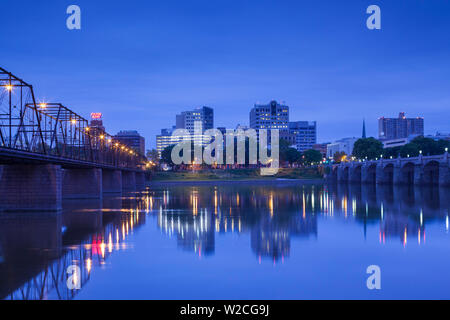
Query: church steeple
<point x="364" y="129"/>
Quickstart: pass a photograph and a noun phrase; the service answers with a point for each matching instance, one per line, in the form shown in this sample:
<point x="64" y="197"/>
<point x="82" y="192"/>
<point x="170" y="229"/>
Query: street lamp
<point x="8" y="87"/>
<point x="420" y="151"/>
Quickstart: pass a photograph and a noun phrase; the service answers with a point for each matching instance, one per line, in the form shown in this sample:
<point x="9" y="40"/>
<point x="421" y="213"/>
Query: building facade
<point x="132" y="139"/>
<point x="303" y="134"/>
<point x="270" y="116"/>
<point x="202" y="116"/>
<point x="399" y="128"/>
<point x="343" y="145"/>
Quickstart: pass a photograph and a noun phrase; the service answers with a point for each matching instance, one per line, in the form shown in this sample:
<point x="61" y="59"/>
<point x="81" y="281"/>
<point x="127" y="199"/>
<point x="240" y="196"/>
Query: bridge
<point x="49" y="152"/>
<point x="421" y="170"/>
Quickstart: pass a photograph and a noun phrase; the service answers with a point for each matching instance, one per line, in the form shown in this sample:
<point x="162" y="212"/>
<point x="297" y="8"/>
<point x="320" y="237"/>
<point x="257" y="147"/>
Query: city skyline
<point x="318" y="58"/>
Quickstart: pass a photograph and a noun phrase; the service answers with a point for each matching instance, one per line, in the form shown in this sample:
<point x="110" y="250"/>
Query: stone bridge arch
<point x="385" y="173"/>
<point x="355" y="173"/>
<point x="368" y="173"/>
<point x="431" y="173"/>
<point x="404" y="173"/>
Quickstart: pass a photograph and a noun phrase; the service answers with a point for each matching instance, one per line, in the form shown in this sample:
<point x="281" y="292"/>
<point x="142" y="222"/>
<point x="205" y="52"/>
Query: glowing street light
<point x="73" y="121"/>
<point x="43" y="105"/>
<point x="8" y="87"/>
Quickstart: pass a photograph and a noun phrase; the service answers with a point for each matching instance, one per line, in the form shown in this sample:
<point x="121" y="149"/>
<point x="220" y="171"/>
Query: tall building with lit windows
<point x="303" y="134"/>
<point x="270" y="116"/>
<point x="203" y="116"/>
<point x="132" y="139"/>
<point x="399" y="128"/>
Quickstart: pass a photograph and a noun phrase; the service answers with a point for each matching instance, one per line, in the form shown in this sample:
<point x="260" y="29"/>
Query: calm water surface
<point x="278" y="241"/>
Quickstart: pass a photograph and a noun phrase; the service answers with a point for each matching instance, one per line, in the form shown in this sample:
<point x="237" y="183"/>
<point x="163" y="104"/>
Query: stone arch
<point x="407" y="173"/>
<point x="355" y="173"/>
<point x="371" y="173"/>
<point x="388" y="171"/>
<point x="431" y="172"/>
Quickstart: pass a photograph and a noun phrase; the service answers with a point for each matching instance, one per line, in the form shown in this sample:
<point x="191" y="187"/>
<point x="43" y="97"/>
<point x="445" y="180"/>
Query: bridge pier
<point x="140" y="180"/>
<point x="368" y="174"/>
<point x="26" y="187"/>
<point x="444" y="175"/>
<point x="128" y="180"/>
<point x="342" y="173"/>
<point x="418" y="174"/>
<point x="111" y="181"/>
<point x="354" y="174"/>
<point x="82" y="183"/>
<point x="382" y="176"/>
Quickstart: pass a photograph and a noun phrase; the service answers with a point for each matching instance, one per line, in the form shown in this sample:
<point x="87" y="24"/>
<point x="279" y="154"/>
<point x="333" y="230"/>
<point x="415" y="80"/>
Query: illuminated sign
<point x="96" y="115"/>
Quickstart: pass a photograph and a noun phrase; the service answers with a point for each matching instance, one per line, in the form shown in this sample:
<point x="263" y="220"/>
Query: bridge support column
<point x="342" y="174"/>
<point x="399" y="177"/>
<point x="380" y="176"/>
<point x="140" y="180"/>
<point x="30" y="187"/>
<point x="111" y="181"/>
<point x="128" y="180"/>
<point x="82" y="183"/>
<point x="444" y="175"/>
<point x="418" y="174"/>
<point x="354" y="174"/>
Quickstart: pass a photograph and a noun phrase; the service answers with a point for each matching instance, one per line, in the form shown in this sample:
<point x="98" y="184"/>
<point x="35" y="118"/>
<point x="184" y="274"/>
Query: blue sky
<point x="141" y="62"/>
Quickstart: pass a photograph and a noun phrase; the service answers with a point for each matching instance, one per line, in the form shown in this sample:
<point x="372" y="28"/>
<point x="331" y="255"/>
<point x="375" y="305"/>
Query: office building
<point x="202" y="116"/>
<point x="401" y="127"/>
<point x="302" y="134"/>
<point x="270" y="116"/>
<point x="132" y="139"/>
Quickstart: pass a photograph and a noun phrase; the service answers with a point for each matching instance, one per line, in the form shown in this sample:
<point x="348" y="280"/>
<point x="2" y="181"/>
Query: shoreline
<point x="237" y="181"/>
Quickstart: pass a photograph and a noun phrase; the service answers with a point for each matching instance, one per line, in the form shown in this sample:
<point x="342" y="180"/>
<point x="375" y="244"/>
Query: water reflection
<point x="37" y="248"/>
<point x="272" y="215"/>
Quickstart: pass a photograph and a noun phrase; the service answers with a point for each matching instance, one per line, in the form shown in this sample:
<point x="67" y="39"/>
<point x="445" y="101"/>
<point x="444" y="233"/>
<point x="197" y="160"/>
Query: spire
<point x="364" y="129"/>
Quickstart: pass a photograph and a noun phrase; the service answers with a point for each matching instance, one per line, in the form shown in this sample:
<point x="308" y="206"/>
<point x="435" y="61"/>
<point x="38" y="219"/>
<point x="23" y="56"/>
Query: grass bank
<point x="236" y="174"/>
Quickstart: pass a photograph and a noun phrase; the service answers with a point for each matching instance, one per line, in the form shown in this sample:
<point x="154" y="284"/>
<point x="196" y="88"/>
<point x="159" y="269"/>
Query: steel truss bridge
<point x="32" y="131"/>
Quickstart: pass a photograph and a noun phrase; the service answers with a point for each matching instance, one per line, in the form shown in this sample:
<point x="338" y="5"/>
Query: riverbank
<point x="238" y="175"/>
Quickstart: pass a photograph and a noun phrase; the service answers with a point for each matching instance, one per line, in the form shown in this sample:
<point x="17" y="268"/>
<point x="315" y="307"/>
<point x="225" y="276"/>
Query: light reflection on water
<point x="238" y="231"/>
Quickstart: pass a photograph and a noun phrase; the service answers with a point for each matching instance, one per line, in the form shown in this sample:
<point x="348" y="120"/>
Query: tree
<point x="166" y="155"/>
<point x="369" y="148"/>
<point x="153" y="155"/>
<point x="312" y="156"/>
<point x="409" y="150"/>
<point x="339" y="156"/>
<point x="292" y="155"/>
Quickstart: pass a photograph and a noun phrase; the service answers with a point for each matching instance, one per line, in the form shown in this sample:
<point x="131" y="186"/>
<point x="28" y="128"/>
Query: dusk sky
<point x="142" y="62"/>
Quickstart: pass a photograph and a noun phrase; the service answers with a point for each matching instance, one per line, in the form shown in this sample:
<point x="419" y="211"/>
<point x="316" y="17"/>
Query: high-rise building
<point x="303" y="134"/>
<point x="270" y="116"/>
<point x="401" y="127"/>
<point x="96" y="127"/>
<point x="202" y="116"/>
<point x="165" y="139"/>
<point x="132" y="139"/>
